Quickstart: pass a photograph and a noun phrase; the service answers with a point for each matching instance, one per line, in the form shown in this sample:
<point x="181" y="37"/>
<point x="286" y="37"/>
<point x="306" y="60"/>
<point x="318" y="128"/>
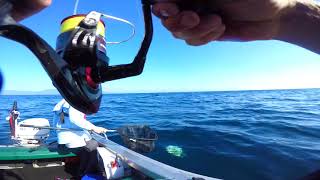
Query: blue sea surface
<point x="230" y="135"/>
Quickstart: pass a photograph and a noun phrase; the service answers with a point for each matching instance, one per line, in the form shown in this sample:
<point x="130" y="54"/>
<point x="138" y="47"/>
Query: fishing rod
<point x="58" y="129"/>
<point x="140" y="138"/>
<point x="124" y="130"/>
<point x="79" y="64"/>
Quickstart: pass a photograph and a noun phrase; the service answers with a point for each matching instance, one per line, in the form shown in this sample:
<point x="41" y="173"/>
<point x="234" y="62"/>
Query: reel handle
<point x="135" y="68"/>
<point x="203" y="7"/>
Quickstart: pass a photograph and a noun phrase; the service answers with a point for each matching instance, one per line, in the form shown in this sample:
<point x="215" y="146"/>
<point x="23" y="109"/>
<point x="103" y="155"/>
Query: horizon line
<point x="42" y="92"/>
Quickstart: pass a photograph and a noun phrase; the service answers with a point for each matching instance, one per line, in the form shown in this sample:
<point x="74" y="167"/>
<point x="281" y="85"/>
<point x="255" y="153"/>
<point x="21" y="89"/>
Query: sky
<point x="171" y="65"/>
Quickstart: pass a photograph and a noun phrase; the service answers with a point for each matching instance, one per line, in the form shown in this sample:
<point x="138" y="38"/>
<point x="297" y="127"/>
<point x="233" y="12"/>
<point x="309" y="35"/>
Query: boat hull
<point x="45" y="162"/>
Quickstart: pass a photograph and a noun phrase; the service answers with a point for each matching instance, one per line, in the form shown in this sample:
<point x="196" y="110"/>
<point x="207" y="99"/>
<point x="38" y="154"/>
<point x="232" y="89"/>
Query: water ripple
<point x="230" y="135"/>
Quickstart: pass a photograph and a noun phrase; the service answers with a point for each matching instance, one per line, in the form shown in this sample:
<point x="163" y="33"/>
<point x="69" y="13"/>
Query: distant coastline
<point x="44" y="92"/>
<point x="55" y="92"/>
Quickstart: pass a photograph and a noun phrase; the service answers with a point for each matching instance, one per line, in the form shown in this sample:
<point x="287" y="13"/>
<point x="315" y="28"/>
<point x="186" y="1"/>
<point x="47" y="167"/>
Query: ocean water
<point x="231" y="135"/>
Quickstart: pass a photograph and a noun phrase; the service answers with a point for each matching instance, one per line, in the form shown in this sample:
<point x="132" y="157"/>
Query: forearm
<point x="84" y="124"/>
<point x="301" y="25"/>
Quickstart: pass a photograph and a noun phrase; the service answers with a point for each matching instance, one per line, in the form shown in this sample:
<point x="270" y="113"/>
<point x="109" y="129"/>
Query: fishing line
<point x="75" y="7"/>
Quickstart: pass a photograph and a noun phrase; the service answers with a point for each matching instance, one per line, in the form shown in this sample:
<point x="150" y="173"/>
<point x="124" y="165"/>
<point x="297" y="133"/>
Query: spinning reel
<point x="79" y="64"/>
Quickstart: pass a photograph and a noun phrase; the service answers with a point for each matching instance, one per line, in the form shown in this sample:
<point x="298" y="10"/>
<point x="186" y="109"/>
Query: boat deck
<point x="14" y="153"/>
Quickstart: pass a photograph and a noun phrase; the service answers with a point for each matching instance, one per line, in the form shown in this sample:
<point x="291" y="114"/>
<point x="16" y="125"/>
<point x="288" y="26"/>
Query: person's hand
<point x="99" y="130"/>
<point x="241" y="20"/>
<point x="25" y="8"/>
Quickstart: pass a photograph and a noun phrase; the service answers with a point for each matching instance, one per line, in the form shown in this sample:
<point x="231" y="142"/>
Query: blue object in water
<point x="175" y="151"/>
<point x="92" y="177"/>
